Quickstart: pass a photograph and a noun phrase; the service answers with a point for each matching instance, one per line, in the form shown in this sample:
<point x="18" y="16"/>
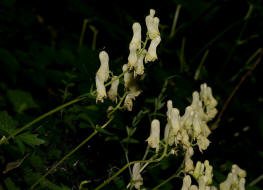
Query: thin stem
<point x="176" y="15"/>
<point x="68" y="155"/>
<point x="176" y="174"/>
<point x="255" y="181"/>
<point x="42" y="117"/>
<point x="127" y="165"/>
<point x="94" y="39"/>
<point x="84" y="26"/>
<point x="197" y="72"/>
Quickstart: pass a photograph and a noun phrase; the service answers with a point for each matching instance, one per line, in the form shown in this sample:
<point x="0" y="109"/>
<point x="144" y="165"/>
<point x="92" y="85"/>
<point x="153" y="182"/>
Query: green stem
<point x="84" y="26"/>
<point x="42" y="117"/>
<point x="197" y="72"/>
<point x="177" y="173"/>
<point x="127" y="165"/>
<point x="176" y="15"/>
<point x="68" y="155"/>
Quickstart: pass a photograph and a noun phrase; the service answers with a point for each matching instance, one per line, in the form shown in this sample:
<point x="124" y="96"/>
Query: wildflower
<point x="128" y="102"/>
<point x="132" y="58"/>
<point x="237" y="170"/>
<point x="151" y="55"/>
<point x="202" y="143"/>
<point x="186" y="182"/>
<point x="193" y="187"/>
<point x="128" y="77"/>
<point x="139" y="67"/>
<point x="136" y="176"/>
<point x="152" y="24"/>
<point x="136" y="39"/>
<point x="154" y="138"/>
<point x="102" y="76"/>
<point x="113" y="92"/>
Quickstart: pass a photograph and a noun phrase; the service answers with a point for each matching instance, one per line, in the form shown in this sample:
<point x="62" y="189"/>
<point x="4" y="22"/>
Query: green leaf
<point x="21" y="100"/>
<point x="104" y="131"/>
<point x="30" y="139"/>
<point x="130" y="140"/>
<point x="7" y="124"/>
<point x="10" y="185"/>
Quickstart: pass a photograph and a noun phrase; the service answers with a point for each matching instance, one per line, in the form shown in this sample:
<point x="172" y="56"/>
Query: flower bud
<point x="154" y="138"/>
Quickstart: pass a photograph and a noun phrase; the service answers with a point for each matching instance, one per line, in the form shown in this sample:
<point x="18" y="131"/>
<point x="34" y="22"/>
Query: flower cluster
<point x="203" y="173"/>
<point x="235" y="179"/>
<point x="135" y="65"/>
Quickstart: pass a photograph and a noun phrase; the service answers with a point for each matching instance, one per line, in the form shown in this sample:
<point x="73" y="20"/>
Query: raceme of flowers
<point x="135" y="66"/>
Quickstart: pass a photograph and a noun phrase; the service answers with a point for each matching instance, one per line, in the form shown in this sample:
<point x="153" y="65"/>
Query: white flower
<point x="132" y="58"/>
<point x="102" y="76"/>
<point x="101" y="90"/>
<point x="128" y="102"/>
<point x="175" y="120"/>
<point x="193" y="187"/>
<point x="139" y="67"/>
<point x="197" y="125"/>
<point x="104" y="67"/>
<point x="128" y="77"/>
<point x="113" y="92"/>
<point x="187" y="118"/>
<point x="136" y="39"/>
<point x="137" y="179"/>
<point x="198" y="170"/>
<point x="202" y="143"/>
<point x="189" y="165"/>
<point x="154" y="138"/>
<point x="151" y="55"/>
<point x="186" y="182"/>
<point x="237" y="170"/>
<point x="226" y="185"/>
<point x="152" y="24"/>
<point x="241" y="184"/>
<point x="208" y="172"/>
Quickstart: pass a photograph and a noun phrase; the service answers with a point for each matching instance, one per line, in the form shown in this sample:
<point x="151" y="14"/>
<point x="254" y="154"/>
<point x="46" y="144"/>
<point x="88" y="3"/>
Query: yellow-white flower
<point x="136" y="39"/>
<point x="137" y="179"/>
<point x="154" y="138"/>
<point x="152" y="24"/>
<point x="237" y="170"/>
<point x="139" y="67"/>
<point x="186" y="182"/>
<point x="113" y="92"/>
<point x="132" y="94"/>
<point x="132" y="58"/>
<point x="102" y="76"/>
<point x="151" y="55"/>
<point x="202" y="143"/>
<point x="128" y="77"/>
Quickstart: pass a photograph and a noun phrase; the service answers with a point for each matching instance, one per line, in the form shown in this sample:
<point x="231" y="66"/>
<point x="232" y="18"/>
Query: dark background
<point x="41" y="59"/>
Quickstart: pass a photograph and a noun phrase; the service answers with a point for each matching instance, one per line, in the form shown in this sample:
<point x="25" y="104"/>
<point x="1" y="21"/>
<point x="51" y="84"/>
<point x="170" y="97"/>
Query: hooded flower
<point x="102" y="76"/>
<point x="113" y="92"/>
<point x="154" y="138"/>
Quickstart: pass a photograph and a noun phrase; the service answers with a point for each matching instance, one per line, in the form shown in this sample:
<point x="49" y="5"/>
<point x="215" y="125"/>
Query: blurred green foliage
<point x="43" y="65"/>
